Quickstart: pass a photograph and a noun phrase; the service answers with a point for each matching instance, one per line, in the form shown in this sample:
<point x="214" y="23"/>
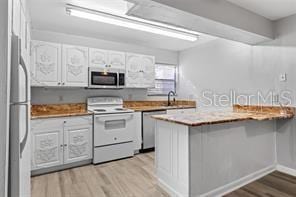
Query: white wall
<point x="285" y="50"/>
<point x="222" y="66"/>
<point x="58" y="95"/>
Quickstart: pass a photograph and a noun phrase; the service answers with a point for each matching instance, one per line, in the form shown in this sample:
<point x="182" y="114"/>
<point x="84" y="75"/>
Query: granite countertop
<point x="143" y="106"/>
<point x="238" y="114"/>
<point x="159" y="108"/>
<point x="80" y="109"/>
<point x="61" y="110"/>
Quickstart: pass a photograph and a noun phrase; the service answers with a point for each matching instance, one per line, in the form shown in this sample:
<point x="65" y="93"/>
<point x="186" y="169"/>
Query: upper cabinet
<point x="45" y="64"/>
<point x="75" y="66"/>
<point x="55" y="64"/>
<point x="106" y="59"/>
<point x="140" y="71"/>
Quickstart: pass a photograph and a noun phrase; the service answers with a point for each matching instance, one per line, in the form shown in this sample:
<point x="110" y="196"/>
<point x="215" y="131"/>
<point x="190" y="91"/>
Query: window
<point x="165" y="80"/>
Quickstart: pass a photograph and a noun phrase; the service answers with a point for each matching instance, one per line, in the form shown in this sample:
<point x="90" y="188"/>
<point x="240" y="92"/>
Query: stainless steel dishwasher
<point x="148" y="129"/>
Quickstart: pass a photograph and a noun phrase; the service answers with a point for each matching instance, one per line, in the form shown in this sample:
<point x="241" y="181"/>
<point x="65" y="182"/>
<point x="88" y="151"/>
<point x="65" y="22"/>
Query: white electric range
<point x="113" y="129"/>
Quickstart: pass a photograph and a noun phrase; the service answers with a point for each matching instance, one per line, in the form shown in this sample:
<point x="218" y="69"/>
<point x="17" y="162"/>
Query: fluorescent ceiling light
<point x="131" y="24"/>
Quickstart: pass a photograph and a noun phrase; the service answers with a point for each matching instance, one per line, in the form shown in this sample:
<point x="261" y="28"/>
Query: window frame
<point x="174" y="80"/>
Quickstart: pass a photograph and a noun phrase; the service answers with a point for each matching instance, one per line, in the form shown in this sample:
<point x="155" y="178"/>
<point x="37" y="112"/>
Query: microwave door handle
<point x="117" y="79"/>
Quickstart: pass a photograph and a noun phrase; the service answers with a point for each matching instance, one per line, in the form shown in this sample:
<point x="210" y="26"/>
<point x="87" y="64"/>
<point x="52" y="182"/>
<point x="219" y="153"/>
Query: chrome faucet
<point x="169" y="97"/>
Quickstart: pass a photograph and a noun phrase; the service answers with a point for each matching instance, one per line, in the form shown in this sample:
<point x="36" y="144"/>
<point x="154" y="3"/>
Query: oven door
<point x="101" y="79"/>
<point x="113" y="129"/>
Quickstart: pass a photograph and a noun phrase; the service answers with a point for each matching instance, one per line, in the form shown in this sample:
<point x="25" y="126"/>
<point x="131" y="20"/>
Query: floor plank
<point x="135" y="177"/>
<point x="275" y="184"/>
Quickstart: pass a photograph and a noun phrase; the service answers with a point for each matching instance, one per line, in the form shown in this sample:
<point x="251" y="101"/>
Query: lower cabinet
<point x="77" y="145"/>
<point x="47" y="145"/>
<point x="60" y="141"/>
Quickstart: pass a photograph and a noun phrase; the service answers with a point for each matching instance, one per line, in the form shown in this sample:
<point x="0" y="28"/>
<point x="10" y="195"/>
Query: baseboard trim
<point x="169" y="190"/>
<point x="240" y="182"/>
<point x="286" y="170"/>
<point x="227" y="188"/>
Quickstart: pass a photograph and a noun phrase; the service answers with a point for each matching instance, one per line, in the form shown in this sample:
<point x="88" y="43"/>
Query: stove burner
<point x="99" y="110"/>
<point x="121" y="109"/>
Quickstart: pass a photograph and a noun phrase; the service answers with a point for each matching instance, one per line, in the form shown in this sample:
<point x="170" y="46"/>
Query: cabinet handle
<point x="62" y="145"/>
<point x="65" y="145"/>
<point x="65" y="121"/>
<point x="63" y="83"/>
<point x="59" y="83"/>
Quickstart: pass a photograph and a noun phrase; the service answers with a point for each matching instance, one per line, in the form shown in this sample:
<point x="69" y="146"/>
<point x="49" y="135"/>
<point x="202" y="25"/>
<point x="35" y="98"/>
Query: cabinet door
<point x="77" y="143"/>
<point x="133" y="70"/>
<point x="148" y="68"/>
<point x="45" y="64"/>
<point x="16" y="17"/>
<point x="98" y="58"/>
<point x="75" y="66"/>
<point x="47" y="148"/>
<point x="116" y="60"/>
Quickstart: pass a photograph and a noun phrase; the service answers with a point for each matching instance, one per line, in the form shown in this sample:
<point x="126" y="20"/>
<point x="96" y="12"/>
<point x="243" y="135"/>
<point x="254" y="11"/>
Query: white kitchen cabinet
<point x="47" y="147"/>
<point x="148" y="68"/>
<point x="45" y="64"/>
<point x="117" y="60"/>
<point x="60" y="141"/>
<point x="75" y="66"/>
<point x="140" y="71"/>
<point x="78" y="144"/>
<point x="106" y="59"/>
<point x="98" y="58"/>
<point x="181" y="111"/>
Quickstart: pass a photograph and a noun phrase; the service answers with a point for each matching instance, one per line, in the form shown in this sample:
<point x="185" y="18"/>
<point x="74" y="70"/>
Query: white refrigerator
<point x="20" y="158"/>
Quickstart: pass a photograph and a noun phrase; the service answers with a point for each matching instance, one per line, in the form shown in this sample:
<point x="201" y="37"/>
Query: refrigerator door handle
<point x="24" y="141"/>
<point x="23" y="65"/>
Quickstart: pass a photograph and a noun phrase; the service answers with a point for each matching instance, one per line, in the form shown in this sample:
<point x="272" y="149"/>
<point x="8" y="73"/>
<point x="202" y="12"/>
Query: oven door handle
<point x="117" y="79"/>
<point x="114" y="117"/>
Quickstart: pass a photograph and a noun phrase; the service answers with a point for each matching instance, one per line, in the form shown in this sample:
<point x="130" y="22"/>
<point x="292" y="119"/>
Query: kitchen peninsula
<point x="212" y="153"/>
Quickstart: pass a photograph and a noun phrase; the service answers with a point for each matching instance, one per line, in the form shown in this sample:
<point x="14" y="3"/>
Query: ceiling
<point x="50" y="15"/>
<point x="271" y="9"/>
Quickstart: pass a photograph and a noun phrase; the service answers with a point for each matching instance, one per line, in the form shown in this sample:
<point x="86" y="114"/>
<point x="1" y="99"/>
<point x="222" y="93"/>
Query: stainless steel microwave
<point x="106" y="78"/>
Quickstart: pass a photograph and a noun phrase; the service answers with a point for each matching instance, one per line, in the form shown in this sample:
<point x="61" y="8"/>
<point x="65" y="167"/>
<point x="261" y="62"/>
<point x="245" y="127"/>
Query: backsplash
<point x="80" y="95"/>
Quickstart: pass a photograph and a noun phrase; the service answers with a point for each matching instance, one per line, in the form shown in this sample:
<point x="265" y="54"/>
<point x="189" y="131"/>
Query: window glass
<point x="165" y="80"/>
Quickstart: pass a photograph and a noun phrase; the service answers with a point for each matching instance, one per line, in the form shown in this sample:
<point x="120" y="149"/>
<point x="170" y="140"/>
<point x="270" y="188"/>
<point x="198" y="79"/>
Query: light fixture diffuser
<point x="128" y="23"/>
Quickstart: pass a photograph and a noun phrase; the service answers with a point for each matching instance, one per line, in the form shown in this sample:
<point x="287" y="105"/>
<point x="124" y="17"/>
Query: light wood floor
<point x="275" y="184"/>
<point x="135" y="177"/>
<point x="132" y="177"/>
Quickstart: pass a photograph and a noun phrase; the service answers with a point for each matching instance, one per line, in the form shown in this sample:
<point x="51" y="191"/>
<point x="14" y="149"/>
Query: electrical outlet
<point x="283" y="77"/>
<point x="276" y="98"/>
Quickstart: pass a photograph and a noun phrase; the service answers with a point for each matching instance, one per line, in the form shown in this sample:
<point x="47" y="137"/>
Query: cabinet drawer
<point x="79" y="120"/>
<point x="41" y="124"/>
<point x="109" y="153"/>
